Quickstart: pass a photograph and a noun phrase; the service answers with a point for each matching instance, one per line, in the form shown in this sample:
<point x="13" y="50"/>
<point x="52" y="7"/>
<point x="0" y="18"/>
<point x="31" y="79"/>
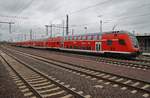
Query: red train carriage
<point x="108" y="43"/>
<point x="120" y="42"/>
<point x="54" y="42"/>
<point x="84" y="42"/>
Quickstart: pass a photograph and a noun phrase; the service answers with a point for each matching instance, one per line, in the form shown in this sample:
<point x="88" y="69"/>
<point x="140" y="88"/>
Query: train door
<point x="98" y="46"/>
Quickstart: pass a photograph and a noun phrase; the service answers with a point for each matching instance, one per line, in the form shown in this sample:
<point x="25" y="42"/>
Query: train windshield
<point x="134" y="41"/>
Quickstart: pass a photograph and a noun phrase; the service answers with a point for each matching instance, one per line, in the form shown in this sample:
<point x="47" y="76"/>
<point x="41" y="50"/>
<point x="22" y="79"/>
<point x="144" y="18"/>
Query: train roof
<point x="98" y="33"/>
<point x="119" y="32"/>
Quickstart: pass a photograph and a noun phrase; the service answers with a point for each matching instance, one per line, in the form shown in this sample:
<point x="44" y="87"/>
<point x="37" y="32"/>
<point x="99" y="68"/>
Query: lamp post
<point x="85" y="29"/>
<point x="101" y="23"/>
<point x="101" y="26"/>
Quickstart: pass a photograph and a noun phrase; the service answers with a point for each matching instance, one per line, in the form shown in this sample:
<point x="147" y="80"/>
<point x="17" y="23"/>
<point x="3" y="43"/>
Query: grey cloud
<point x="127" y="14"/>
<point x="13" y="6"/>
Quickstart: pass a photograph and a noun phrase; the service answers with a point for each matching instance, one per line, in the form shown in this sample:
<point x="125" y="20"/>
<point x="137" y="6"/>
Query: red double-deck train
<point x="115" y="43"/>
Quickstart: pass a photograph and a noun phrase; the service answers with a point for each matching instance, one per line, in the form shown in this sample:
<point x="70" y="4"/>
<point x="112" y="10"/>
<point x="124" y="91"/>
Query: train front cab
<point x="134" y="45"/>
<point x="120" y="44"/>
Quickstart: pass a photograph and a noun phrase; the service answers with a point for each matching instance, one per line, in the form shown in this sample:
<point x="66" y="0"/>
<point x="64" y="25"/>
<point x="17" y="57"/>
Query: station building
<point x="144" y="42"/>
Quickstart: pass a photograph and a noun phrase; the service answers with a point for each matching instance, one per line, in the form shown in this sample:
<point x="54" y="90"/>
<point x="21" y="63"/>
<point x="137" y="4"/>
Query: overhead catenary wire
<point x="90" y="6"/>
<point x="121" y="18"/>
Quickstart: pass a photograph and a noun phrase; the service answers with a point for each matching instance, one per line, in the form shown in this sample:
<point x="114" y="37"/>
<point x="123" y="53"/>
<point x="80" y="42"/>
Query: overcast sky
<point x="34" y="14"/>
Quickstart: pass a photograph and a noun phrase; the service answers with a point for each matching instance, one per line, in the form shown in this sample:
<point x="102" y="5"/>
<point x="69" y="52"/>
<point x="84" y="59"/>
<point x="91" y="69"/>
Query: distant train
<point x="115" y="43"/>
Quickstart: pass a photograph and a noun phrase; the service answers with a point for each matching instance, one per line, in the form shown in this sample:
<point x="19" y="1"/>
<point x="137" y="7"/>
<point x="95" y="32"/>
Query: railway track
<point x="35" y="84"/>
<point x="136" y="63"/>
<point x="143" y="59"/>
<point x="115" y="80"/>
<point x="139" y="63"/>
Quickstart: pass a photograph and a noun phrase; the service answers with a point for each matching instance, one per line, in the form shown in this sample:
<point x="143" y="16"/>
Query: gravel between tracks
<point x="81" y="83"/>
<point x="124" y="71"/>
<point x="8" y="88"/>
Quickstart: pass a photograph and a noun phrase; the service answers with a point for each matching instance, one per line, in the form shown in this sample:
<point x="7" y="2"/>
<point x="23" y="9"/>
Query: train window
<point x="76" y="37"/>
<point x="95" y="37"/>
<point x="66" y="38"/>
<point x="83" y="37"/>
<point x="90" y="37"/>
<point x="78" y="47"/>
<point x="122" y="42"/>
<point x="88" y="48"/>
<point x="109" y="42"/>
<point x="79" y="37"/>
<point x="100" y="37"/>
<point x="70" y="37"/>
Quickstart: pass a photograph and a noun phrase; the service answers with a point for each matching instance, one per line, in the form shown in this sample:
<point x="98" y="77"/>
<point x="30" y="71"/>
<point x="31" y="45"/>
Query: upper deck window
<point x="122" y="42"/>
<point x="66" y="38"/>
<point x="109" y="42"/>
<point x="79" y="37"/>
<point x="70" y="37"/>
<point x="95" y="37"/>
<point x="83" y="37"/>
<point x="99" y="37"/>
<point x="90" y="37"/>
